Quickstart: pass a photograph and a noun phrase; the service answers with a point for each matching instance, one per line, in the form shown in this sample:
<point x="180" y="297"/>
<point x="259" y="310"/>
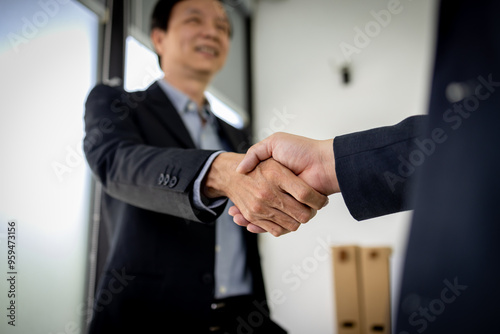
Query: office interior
<point x="315" y="68"/>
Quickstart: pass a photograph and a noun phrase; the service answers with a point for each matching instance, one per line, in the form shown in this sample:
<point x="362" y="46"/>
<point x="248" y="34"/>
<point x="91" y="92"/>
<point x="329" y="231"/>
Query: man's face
<point x="197" y="38"/>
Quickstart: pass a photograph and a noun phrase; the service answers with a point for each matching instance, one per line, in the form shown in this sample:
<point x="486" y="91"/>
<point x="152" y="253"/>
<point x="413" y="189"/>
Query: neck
<point x="193" y="86"/>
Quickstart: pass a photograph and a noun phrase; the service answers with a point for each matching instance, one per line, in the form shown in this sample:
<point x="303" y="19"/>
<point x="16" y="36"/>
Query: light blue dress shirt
<point x="232" y="276"/>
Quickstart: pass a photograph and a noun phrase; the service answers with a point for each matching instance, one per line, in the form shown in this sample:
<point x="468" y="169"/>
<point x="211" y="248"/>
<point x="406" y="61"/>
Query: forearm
<point x="155" y="178"/>
<point x="368" y="168"/>
<point x="162" y="185"/>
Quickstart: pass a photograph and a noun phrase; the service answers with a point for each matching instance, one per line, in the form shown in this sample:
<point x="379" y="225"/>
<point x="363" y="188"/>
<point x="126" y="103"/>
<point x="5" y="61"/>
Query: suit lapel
<point x="168" y="115"/>
<point x="237" y="139"/>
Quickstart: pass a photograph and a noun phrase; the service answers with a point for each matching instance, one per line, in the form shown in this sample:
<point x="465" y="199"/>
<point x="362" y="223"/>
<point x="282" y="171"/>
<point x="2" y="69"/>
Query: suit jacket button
<point x="173" y="182"/>
<point x="166" y="179"/>
<point x="161" y="179"/>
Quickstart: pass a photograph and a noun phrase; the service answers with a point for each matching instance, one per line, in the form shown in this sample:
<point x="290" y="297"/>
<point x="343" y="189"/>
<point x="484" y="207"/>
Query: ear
<point x="157" y="36"/>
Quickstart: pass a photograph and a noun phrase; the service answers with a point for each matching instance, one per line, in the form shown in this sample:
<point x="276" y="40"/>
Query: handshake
<point x="278" y="185"/>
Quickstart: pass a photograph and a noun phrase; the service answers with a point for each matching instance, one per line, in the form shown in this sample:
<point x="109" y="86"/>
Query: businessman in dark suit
<point x="444" y="165"/>
<point x="177" y="263"/>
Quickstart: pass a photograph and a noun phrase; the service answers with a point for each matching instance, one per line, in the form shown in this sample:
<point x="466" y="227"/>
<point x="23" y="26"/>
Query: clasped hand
<point x="286" y="178"/>
<point x="270" y="196"/>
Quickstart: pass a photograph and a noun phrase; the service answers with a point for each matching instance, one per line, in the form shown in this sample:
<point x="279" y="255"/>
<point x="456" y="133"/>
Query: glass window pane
<point x="48" y="64"/>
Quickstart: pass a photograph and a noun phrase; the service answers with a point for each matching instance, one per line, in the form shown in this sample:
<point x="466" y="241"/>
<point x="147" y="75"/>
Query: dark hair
<point x="161" y="16"/>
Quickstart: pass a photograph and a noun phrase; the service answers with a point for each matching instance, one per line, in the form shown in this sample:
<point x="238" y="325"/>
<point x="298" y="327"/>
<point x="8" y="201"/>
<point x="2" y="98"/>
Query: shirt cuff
<point x="198" y="198"/>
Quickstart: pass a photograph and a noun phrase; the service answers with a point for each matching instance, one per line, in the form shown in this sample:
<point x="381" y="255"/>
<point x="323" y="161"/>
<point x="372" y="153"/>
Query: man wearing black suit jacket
<point x="443" y="165"/>
<point x="177" y="264"/>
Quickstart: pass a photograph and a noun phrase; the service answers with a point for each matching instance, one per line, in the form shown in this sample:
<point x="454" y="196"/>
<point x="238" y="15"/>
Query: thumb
<point x="255" y="154"/>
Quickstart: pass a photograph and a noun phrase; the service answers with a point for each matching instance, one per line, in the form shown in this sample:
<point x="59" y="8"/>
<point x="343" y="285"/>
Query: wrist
<point x="218" y="178"/>
<point x="328" y="162"/>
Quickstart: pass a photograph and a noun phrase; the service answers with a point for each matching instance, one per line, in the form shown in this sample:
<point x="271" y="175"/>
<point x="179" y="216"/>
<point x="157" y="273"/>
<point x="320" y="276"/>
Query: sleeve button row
<point x="167" y="180"/>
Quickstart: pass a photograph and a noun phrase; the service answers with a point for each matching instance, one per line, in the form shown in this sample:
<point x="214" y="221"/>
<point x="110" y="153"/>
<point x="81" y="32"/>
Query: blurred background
<point x="316" y="68"/>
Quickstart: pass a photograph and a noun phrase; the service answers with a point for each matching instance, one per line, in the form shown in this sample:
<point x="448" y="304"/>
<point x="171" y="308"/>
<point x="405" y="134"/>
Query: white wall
<point x="297" y="60"/>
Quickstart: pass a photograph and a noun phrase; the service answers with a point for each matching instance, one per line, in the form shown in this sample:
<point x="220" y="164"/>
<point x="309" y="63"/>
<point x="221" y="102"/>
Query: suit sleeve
<point x="154" y="178"/>
<point x="374" y="168"/>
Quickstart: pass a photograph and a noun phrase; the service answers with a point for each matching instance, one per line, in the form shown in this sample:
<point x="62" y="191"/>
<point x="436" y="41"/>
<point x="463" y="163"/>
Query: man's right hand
<point x="312" y="160"/>
<point x="270" y="196"/>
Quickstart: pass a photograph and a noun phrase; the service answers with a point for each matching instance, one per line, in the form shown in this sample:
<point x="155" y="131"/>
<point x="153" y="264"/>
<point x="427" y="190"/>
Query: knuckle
<point x="271" y="216"/>
<point x="256" y="207"/>
<point x="277" y="231"/>
<point x="248" y="214"/>
<point x="294" y="227"/>
<point x="304" y="194"/>
<point x="289" y="224"/>
<point x="269" y="173"/>
<point x="304" y="216"/>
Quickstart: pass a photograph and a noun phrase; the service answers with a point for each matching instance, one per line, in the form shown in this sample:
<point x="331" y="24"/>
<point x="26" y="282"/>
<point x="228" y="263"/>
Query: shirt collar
<point x="182" y="103"/>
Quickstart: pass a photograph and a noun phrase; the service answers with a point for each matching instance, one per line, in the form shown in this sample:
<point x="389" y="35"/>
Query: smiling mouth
<point x="207" y="49"/>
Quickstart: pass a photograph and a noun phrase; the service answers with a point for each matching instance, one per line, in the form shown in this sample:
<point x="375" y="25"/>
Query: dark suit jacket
<point x="159" y="272"/>
<point x="446" y="167"/>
